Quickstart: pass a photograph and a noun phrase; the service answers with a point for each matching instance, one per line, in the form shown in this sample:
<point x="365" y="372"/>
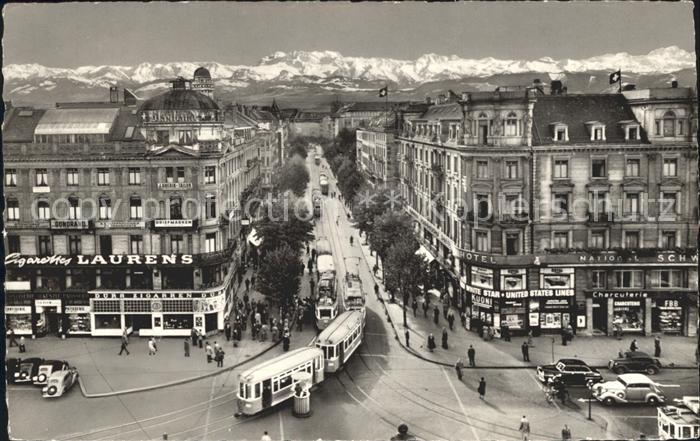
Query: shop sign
<point x="171" y="223"/>
<point x="77" y="309"/>
<point x="69" y="224"/>
<point x="482" y="301"/>
<point x="120" y="224"/>
<point x="552" y="293"/>
<point x="174" y="185"/>
<point x="48" y="303"/>
<point x="156" y="295"/>
<point x="114" y="259"/>
<point x="620" y="294"/>
<point x="627" y="303"/>
<point x="18" y="309"/>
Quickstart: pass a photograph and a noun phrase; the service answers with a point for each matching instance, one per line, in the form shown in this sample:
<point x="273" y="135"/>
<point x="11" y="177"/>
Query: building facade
<point x="376" y="152"/>
<point x="121" y="217"/>
<point x="529" y="207"/>
<point x="356" y="115"/>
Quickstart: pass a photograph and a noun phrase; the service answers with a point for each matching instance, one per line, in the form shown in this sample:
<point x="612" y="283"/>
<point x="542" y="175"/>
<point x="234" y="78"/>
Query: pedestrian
<point x="151" y="346"/>
<point x="431" y="342"/>
<point x="258" y="318"/>
<point x="436" y="314"/>
<point x="563" y="336"/>
<point x="187" y="346"/>
<point x="451" y="320"/>
<point x="307" y="248"/>
<point x="414" y="306"/>
<point x="124" y="347"/>
<point x="376" y="290"/>
<point x="471" y="354"/>
<point x="313" y="254"/>
<point x="193" y="335"/>
<point x="263" y="332"/>
<point x="22" y="344"/>
<point x="566" y="433"/>
<point x="216" y="346"/>
<point x="444" y="310"/>
<point x="246" y="298"/>
<point x="458" y="367"/>
<point x="240" y="277"/>
<point x="444" y="338"/>
<point x="633" y="345"/>
<point x="220" y="358"/>
<point x="285" y="340"/>
<point x="252" y="281"/>
<point x="408" y="337"/>
<point x="482" y="388"/>
<point x="247" y="285"/>
<point x="463" y="319"/>
<point x="312" y="284"/>
<point x="200" y="339"/>
<point x="125" y="336"/>
<point x="525" y="349"/>
<point x="425" y="309"/>
<point x="265" y="437"/>
<point x="524" y="428"/>
<point x="227" y="330"/>
<point x="303" y="267"/>
<point x="209" y="351"/>
<point x="657" y="346"/>
<point x="505" y="331"/>
<point x="12" y="337"/>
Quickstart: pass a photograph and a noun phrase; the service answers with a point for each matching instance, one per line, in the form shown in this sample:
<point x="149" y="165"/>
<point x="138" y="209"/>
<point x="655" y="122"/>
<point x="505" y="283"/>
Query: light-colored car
<point x="46" y="368"/>
<point x="59" y="383"/>
<point x="629" y="388"/>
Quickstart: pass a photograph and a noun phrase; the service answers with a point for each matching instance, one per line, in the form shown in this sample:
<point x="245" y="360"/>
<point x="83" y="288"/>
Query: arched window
<point x="669" y="123"/>
<point x="105" y="207"/>
<point x="512" y="125"/>
<point x="43" y="210"/>
<point x="175" y="207"/>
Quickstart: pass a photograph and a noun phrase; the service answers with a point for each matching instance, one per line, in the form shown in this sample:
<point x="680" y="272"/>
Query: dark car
<point x="571" y="371"/>
<point x="22" y="370"/>
<point x="635" y="362"/>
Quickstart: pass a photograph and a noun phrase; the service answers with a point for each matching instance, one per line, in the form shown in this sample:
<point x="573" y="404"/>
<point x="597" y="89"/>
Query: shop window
<point x="102" y="176"/>
<point x="176" y="244"/>
<point x="561" y="168"/>
<point x="512" y="243"/>
<point x="10" y="177"/>
<point x="74" y="245"/>
<point x="482" y="169"/>
<point x="177" y="321"/>
<point x="135" y="208"/>
<point x="598" y="279"/>
<point x="42" y="177"/>
<point x="136" y="244"/>
<point x="668" y="278"/>
<point x="12" y="209"/>
<point x="632" y="239"/>
<point x="13" y="243"/>
<point x="134" y="176"/>
<point x="72" y="177"/>
<point x="632" y="167"/>
<point x="668" y="240"/>
<point x="598" y="239"/>
<point x="43" y="210"/>
<point x="598" y="168"/>
<point x="210" y="243"/>
<point x="74" y="209"/>
<point x="481" y="239"/>
<point x="108" y="321"/>
<point x="209" y="174"/>
<point x="670" y="167"/>
<point x="629" y="279"/>
<point x="105" y="207"/>
<point x="560" y="239"/>
<point x="44" y="245"/>
<point x="105" y="245"/>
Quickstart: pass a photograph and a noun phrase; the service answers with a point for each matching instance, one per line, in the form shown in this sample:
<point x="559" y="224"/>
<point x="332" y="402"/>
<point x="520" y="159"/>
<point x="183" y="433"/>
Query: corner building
<point x="121" y="215"/>
<point x="541" y="209"/>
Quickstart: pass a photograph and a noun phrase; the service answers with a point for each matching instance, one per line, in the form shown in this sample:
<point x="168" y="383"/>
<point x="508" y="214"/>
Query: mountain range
<point x="310" y="79"/>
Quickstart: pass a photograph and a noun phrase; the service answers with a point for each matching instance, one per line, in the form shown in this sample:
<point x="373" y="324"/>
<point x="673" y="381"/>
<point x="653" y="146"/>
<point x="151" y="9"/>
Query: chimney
<point x="113" y="94"/>
<point x="537" y="84"/>
<point x="674" y="84"/>
<point x="555" y="87"/>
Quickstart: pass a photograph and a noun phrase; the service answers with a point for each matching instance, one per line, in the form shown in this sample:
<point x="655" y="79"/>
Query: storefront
<point x="18" y="313"/>
<point x="48" y="314"/>
<point x="667" y="313"/>
<point x="551" y="310"/>
<point x="624" y="310"/>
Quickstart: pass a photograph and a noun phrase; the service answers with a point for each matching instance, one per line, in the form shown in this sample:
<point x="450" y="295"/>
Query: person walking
<point x="482" y="388"/>
<point x="505" y="331"/>
<point x="566" y="433"/>
<point x="216" y="346"/>
<point x="633" y="345"/>
<point x="425" y="309"/>
<point x="193" y="336"/>
<point x="313" y="254"/>
<point x="247" y="284"/>
<point x="307" y="248"/>
<point x="187" y="346"/>
<point x="563" y="336"/>
<point x="458" y="367"/>
<point x="124" y="347"/>
<point x="300" y="319"/>
<point x="525" y="349"/>
<point x="471" y="354"/>
<point x="227" y="330"/>
<point x="22" y="344"/>
<point x="524" y="428"/>
<point x="285" y="340"/>
<point x="12" y="337"/>
<point x="252" y="281"/>
<point x="451" y="320"/>
<point x="265" y="437"/>
<point x="414" y="306"/>
<point x="209" y="351"/>
<point x="151" y="346"/>
<point x="408" y="337"/>
<point x="220" y="358"/>
<point x="657" y="346"/>
<point x="431" y="342"/>
<point x="444" y="338"/>
<point x="376" y="290"/>
<point x="200" y="339"/>
<point x="436" y="314"/>
<point x="444" y="310"/>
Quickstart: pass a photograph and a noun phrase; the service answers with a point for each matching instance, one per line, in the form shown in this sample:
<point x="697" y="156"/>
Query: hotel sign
<point x="114" y="259"/>
<point x="174" y="185"/>
<point x="69" y="224"/>
<point x="173" y="223"/>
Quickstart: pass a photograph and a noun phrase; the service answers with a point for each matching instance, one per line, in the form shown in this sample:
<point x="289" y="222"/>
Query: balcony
<point x="215" y="257"/>
<point x="484" y="218"/>
<point x="515" y="218"/>
<point x="174" y="185"/>
<point x="600" y="218"/>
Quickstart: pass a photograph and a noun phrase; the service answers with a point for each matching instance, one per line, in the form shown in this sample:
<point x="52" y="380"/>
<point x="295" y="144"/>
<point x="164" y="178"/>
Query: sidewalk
<point x="677" y="351"/>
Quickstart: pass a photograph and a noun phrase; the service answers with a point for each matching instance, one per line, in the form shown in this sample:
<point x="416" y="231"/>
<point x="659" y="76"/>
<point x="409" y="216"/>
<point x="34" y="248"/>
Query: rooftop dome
<point x="180" y="99"/>
<point x="202" y="72"/>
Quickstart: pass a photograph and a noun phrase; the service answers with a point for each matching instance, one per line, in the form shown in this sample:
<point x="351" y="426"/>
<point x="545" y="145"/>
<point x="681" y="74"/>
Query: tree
<point x="297" y="146"/>
<point x="280" y="274"/>
<point x="253" y="194"/>
<point x="293" y="175"/>
<point x="284" y="220"/>
<point x="349" y="179"/>
<point x="390" y="228"/>
<point x="405" y="269"/>
<point x="370" y="203"/>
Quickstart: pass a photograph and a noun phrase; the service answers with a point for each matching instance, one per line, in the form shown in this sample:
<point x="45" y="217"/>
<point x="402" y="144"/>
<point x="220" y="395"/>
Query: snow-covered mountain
<point x="329" y="71"/>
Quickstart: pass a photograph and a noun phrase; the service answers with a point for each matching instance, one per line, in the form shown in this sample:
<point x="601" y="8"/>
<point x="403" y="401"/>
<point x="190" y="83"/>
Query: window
<point x="511" y="124"/>
<point x="633" y="132"/>
<point x="72" y="177"/>
<point x="560" y="239"/>
<point x="210" y="174"/>
<point x="177" y="245"/>
<point x="13" y="243"/>
<point x="482" y="241"/>
<point x="512" y="243"/>
<point x="180" y="174"/>
<point x="670" y="167"/>
<point x="598" y="279"/>
<point x="629" y="279"/>
<point x="169" y="175"/>
<point x="43" y="210"/>
<point x="42" y="177"/>
<point x="631" y="239"/>
<point x="12" y="209"/>
<point x="210" y="243"/>
<point x="668" y="205"/>
<point x="10" y="177"/>
<point x="163" y="136"/>
<point x="560" y="205"/>
<point x="45" y="246"/>
<point x="667" y="278"/>
<point x="561" y="168"/>
<point x="175" y="207"/>
<point x="598" y="239"/>
<point x="102" y="176"/>
<point x="598" y="133"/>
<point x="74" y="247"/>
<point x="105" y="207"/>
<point x="134" y="176"/>
<point x="668" y="240"/>
<point x="74" y="210"/>
<point x="632" y="203"/>
<point x="136" y="244"/>
<point x="598" y="201"/>
<point x="210" y="206"/>
<point x="483" y="206"/>
<point x="598" y="168"/>
<point x="669" y="122"/>
<point x="512" y="170"/>
<point x="105" y="245"/>
<point x="135" y="208"/>
<point x="632" y="167"/>
<point x="185" y="137"/>
<point x="482" y="169"/>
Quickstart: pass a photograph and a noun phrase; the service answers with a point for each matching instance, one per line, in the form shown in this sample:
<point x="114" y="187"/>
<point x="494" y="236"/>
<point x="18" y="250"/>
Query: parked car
<point x="46" y="368"/>
<point x="629" y="388"/>
<point x="571" y="371"/>
<point x="635" y="362"/>
<point x="59" y="383"/>
<point x="22" y="370"/>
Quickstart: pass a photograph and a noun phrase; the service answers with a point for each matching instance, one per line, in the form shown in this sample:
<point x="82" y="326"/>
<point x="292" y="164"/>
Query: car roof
<point x="54" y="362"/>
<point x="635" y="378"/>
<point x="571" y="361"/>
<point x="637" y="354"/>
<point x="59" y="374"/>
<point x="31" y="360"/>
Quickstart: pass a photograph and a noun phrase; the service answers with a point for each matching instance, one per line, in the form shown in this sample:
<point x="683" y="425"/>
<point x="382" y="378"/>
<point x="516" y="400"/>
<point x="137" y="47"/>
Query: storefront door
<point x="138" y="321"/>
<point x="600" y="315"/>
<point x="53" y="319"/>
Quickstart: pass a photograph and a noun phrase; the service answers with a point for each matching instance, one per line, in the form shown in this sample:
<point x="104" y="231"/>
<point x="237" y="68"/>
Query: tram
<point x="353" y="294"/>
<point x="326" y="308"/>
<point x="340" y="339"/>
<point x="323" y="183"/>
<point x="270" y="383"/>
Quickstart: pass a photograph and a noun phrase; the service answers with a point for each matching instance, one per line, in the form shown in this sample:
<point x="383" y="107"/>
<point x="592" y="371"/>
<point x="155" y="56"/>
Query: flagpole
<point x="386" y="104"/>
<point x="619" y="81"/>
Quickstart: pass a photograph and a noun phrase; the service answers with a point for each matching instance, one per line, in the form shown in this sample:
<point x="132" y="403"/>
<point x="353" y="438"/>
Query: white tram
<point x="270" y="383"/>
<point x="353" y="293"/>
<point x="340" y="339"/>
<point x="326" y="308"/>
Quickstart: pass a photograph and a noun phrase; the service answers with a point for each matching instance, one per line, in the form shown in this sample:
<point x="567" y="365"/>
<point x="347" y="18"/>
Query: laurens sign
<point x="114" y="259"/>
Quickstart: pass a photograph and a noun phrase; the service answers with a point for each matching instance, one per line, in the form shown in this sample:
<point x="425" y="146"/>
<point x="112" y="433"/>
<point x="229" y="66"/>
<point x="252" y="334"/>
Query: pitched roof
<point x="238" y="120"/>
<point x="77" y="121"/>
<point x="125" y="128"/>
<point x="20" y="123"/>
<point x="452" y="111"/>
<point x="575" y="111"/>
<point x="309" y="116"/>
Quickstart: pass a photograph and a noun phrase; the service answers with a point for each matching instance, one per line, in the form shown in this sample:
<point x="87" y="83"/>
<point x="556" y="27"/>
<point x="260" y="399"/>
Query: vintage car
<point x="628" y="388"/>
<point x="22" y="370"/>
<point x="635" y="362"/>
<point x="571" y="371"/>
<point x="46" y="368"/>
<point x="60" y="382"/>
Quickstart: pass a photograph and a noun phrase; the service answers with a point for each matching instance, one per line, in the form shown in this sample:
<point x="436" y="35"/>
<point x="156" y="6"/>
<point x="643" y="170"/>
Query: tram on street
<point x="353" y="294"/>
<point x="271" y="383"/>
<point x="316" y="198"/>
<point x="326" y="308"/>
<point x="323" y="183"/>
<point x="340" y="339"/>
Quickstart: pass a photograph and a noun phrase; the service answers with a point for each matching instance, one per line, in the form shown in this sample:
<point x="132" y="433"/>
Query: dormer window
<point x="631" y="129"/>
<point x="597" y="130"/>
<point x="560" y="132"/>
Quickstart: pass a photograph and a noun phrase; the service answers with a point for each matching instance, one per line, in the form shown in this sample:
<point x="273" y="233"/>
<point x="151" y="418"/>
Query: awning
<point x="422" y="251"/>
<point x="253" y="238"/>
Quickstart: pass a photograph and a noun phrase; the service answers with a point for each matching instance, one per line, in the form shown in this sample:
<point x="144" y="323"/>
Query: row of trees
<point x="341" y="154"/>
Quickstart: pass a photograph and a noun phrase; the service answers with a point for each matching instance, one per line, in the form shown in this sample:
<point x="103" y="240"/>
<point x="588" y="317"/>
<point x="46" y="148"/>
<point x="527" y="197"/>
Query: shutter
<point x="28" y="245"/>
<point x="60" y="244"/>
<point x="87" y="242"/>
<point x="120" y="244"/>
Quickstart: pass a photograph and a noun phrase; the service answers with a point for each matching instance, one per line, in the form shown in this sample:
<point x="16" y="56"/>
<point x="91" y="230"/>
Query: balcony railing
<point x="600" y="218"/>
<point x="515" y="218"/>
<point x="215" y="256"/>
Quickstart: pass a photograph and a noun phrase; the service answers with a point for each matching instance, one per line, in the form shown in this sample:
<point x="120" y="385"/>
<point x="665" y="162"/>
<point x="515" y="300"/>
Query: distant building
<point x="357" y="115"/>
<point x="376" y="151"/>
<point x="308" y="124"/>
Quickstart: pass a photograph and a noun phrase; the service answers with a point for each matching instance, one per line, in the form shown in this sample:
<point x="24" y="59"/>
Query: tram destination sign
<point x="114" y="259"/>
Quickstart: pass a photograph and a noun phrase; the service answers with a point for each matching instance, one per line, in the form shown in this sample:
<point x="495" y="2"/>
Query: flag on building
<point x="615" y="77"/>
<point x="384" y="91"/>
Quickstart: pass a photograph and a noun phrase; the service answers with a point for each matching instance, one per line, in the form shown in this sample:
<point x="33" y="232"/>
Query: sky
<point x="71" y="34"/>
